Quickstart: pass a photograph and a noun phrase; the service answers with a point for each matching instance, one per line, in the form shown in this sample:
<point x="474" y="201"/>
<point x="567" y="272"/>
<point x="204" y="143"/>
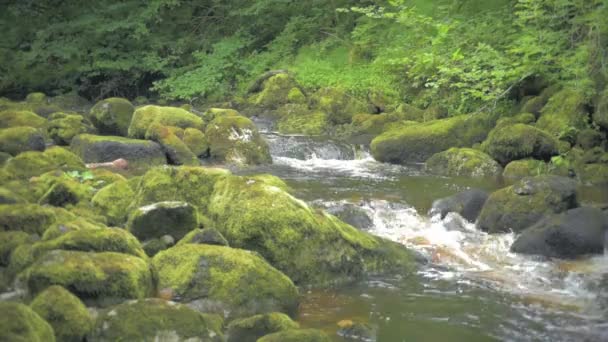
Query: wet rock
<point x="467" y="204"/>
<point x="64" y="312"/>
<point x="297" y="335"/>
<point x="99" y="149"/>
<point x="156" y="320"/>
<point x="465" y="162"/>
<point x="519" y="206"/>
<point x="162" y="218"/>
<point x="351" y="214"/>
<point x="207" y="236"/>
<point x="570" y="234"/>
<point x="251" y="328"/>
<point x="224" y="280"/>
<point x="21" y="139"/>
<point x="519" y="141"/>
<point x="20" y="323"/>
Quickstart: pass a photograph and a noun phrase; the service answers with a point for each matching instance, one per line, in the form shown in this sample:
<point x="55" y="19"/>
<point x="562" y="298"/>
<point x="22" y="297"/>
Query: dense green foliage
<point x="457" y="55"/>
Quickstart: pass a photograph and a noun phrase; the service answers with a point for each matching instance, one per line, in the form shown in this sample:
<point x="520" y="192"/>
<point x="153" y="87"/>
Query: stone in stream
<point x="519" y="206"/>
<point x="519" y="141"/>
<point x="250" y="329"/>
<point x="570" y="234"/>
<point x="467" y="204"/>
<point x="463" y="162"/>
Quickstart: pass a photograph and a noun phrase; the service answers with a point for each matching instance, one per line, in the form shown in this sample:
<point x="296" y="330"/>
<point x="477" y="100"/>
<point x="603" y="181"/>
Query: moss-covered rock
<point x="522" y="118"/>
<point x="589" y="138"/>
<point x="7" y="196"/>
<point x="36" y="97"/>
<point x="212" y="113"/>
<point x="99" y="149"/>
<point x="519" y="141"/>
<point x="163" y="218"/>
<point x="71" y="101"/>
<point x="196" y="142"/>
<point x="207" y="236"/>
<point x="251" y="328"/>
<point x="236" y="140"/>
<point x="224" y="280"/>
<point x="297" y="121"/>
<point x="519" y="206"/>
<point x="278" y="90"/>
<point x="565" y="110"/>
<point x="166" y="116"/>
<point x="33" y="163"/>
<point x="176" y="150"/>
<point x="600" y="116"/>
<point x="64" y="312"/>
<point x="30" y="218"/>
<point x="297" y="335"/>
<point x="155" y="320"/>
<point x="4" y="157"/>
<point x="62" y="127"/>
<point x="338" y="105"/>
<point x="593" y="174"/>
<point x="465" y="162"/>
<point x="9" y="240"/>
<point x="519" y="169"/>
<point x="418" y="142"/>
<point x="64" y="190"/>
<point x="113" y="202"/>
<point x="309" y="245"/>
<point x="21" y="139"/>
<point x="155" y="246"/>
<point x="96" y="278"/>
<point x="19" y="118"/>
<point x="365" y="127"/>
<point x="19" y="323"/>
<point x="112" y="116"/>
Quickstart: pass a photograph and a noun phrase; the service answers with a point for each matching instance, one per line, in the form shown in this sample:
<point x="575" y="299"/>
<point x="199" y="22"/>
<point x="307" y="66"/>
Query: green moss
<point x="113" y="202"/>
<point x="425" y="139"/>
<point x="63" y="191"/>
<point x="296" y="95"/>
<point x="36" y="98"/>
<point x="166" y="116"/>
<point x="222" y="279"/>
<point x="463" y="162"/>
<point x="9" y="197"/>
<point x="4" y="157"/>
<point x="162" y="321"/>
<point x="16" y="118"/>
<point x="251" y="328"/>
<point x="62" y="127"/>
<point x="297" y="335"/>
<point x="176" y="150"/>
<point x="20" y="139"/>
<point x="600" y="116"/>
<point x="212" y="113"/>
<point x="519" y="141"/>
<point x="410" y="113"/>
<point x="236" y="140"/>
<point x="207" y="236"/>
<point x="19" y="323"/>
<point x="308" y="245"/>
<point x="523" y="118"/>
<point x="58" y="229"/>
<point x="99" y="149"/>
<point x="64" y="312"/>
<point x="593" y="174"/>
<point x="565" y="110"/>
<point x="163" y="218"/>
<point x="589" y="138"/>
<point x="33" y="163"/>
<point x="196" y="141"/>
<point x="338" y="105"/>
<point x="30" y="218"/>
<point x="518" y="169"/>
<point x="309" y="123"/>
<point x="71" y="101"/>
<point x="276" y="92"/>
<point x="9" y="240"/>
<point x="112" y="116"/>
<point x="96" y="278"/>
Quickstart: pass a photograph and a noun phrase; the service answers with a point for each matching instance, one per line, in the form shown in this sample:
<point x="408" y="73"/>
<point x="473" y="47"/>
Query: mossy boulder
<point x="31" y="218"/>
<point x="224" y="280"/>
<point x="21" y="139"/>
<point x="19" y="323"/>
<point x="571" y="234"/>
<point x="522" y="118"/>
<point x="519" y="206"/>
<point x="36" y="97"/>
<point x="251" y="328"/>
<point x="163" y="218"/>
<point x="418" y="142"/>
<point x="309" y="245"/>
<point x="166" y="116"/>
<point x="519" y="141"/>
<point x="113" y="202"/>
<point x="99" y="149"/>
<point x="63" y="127"/>
<point x="365" y="127"/>
<point x="20" y="118"/>
<point x="176" y="150"/>
<point x="463" y="162"/>
<point x="307" y="122"/>
<point x="236" y="140"/>
<point x="589" y="138"/>
<point x="9" y="240"/>
<point x="207" y="236"/>
<point x="212" y="113"/>
<point x="64" y="190"/>
<point x="338" y="105"/>
<point x="96" y="278"/>
<point x="566" y="109"/>
<point x="34" y="163"/>
<point x="196" y="142"/>
<point x="155" y="320"/>
<point x="278" y="90"/>
<point x="112" y="116"/>
<point x="156" y="245"/>
<point x="64" y="312"/>
<point x="7" y="196"/>
<point x="519" y="169"/>
<point x="297" y="335"/>
<point x="593" y="174"/>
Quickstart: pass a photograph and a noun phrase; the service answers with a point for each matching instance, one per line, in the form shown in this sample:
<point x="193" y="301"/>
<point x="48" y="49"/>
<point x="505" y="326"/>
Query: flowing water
<point x="473" y="288"/>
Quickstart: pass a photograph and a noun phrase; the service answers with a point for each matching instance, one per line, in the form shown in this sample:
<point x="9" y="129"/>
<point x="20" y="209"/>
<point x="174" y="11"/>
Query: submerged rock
<point x="156" y="320"/>
<point x="467" y="204"/>
<point x="250" y="329"/>
<point x="224" y="280"/>
<point x="519" y="206"/>
<point x="570" y="234"/>
<point x="465" y="162"/>
<point x="19" y="323"/>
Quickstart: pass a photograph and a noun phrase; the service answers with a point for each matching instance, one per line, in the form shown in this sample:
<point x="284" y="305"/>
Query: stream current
<point x="473" y="288"/>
